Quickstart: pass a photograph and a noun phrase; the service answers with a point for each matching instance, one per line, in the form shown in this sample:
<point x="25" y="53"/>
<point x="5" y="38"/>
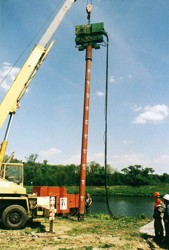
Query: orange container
<point x="65" y="203"/>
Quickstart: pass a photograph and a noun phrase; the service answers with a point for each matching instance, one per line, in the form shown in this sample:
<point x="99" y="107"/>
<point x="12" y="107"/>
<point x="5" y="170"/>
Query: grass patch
<point x="128" y="191"/>
<point x="142" y="191"/>
<point x="96" y="231"/>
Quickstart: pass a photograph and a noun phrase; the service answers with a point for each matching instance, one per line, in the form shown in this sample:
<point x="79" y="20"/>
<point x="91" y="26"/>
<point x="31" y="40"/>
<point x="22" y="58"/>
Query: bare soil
<point x="93" y="233"/>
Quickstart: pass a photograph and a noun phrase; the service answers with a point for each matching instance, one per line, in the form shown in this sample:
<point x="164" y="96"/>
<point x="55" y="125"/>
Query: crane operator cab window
<point x="13" y="173"/>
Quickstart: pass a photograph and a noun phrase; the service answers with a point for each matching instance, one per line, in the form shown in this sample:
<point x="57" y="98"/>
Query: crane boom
<point x="55" y="23"/>
<point x="10" y="103"/>
<point x="11" y="100"/>
<point x="30" y="67"/>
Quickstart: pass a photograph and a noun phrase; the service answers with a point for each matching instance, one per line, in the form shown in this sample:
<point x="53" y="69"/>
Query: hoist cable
<point x="31" y="41"/>
<point x="106" y="118"/>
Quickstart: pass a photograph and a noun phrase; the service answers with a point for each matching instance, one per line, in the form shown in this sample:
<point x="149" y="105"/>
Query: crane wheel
<point x="14" y="217"/>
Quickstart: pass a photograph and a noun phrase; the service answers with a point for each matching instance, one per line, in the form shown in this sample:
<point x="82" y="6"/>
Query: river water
<point x="125" y="206"/>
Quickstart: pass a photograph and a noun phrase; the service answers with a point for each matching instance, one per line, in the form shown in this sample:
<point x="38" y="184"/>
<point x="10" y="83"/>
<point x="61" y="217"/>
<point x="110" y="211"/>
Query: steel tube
<point x="82" y="188"/>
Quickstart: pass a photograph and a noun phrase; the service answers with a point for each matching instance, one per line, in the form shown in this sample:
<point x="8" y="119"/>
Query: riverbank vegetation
<point x="127" y="191"/>
<point x="130" y="181"/>
<point x="123" y="191"/>
<point x="45" y="174"/>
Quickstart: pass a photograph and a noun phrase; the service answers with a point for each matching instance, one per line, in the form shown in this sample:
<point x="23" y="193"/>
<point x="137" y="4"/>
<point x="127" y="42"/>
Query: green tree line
<point x="44" y="174"/>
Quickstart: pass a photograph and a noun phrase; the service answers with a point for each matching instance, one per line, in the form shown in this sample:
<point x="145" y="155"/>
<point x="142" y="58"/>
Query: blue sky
<point x="49" y="121"/>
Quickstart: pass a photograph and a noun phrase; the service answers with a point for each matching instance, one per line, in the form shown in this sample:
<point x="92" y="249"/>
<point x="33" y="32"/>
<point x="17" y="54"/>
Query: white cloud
<point x="112" y="79"/>
<point x="7" y="75"/>
<point x="130" y="76"/>
<point x="99" y="155"/>
<point x="49" y="153"/>
<point x="118" y="79"/>
<point x="137" y="108"/>
<point x="126" y="142"/>
<point x="75" y="159"/>
<point x="159" y="164"/>
<point x="99" y="93"/>
<point x="152" y="114"/>
<point x="127" y="159"/>
<point x="163" y="159"/>
<point x="120" y="161"/>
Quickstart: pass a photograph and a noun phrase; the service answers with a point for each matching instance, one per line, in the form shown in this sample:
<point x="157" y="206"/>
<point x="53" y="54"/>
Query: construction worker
<point x="88" y="202"/>
<point x="158" y="216"/>
<point x="166" y="218"/>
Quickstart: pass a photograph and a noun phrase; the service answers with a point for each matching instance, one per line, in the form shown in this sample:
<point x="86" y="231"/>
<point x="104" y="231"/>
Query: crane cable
<point x="31" y="41"/>
<point x="105" y="134"/>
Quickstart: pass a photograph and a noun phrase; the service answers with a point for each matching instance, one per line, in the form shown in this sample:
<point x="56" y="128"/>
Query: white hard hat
<point x="166" y="197"/>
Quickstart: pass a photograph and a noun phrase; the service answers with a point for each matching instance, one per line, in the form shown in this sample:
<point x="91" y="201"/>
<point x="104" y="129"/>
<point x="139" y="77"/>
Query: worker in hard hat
<point x="166" y="218"/>
<point x="158" y="216"/>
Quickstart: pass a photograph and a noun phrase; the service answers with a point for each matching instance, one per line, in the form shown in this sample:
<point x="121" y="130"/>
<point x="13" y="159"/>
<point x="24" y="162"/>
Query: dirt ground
<point x="67" y="233"/>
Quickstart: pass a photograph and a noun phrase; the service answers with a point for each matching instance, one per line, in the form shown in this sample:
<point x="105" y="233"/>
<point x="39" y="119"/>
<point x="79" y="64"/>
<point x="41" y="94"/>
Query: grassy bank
<point x="144" y="191"/>
<point x="95" y="232"/>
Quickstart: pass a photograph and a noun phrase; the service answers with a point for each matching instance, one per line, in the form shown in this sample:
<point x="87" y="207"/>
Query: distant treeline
<point x="43" y="174"/>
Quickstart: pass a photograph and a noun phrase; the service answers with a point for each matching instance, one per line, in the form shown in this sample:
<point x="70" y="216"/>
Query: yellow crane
<point x="15" y="204"/>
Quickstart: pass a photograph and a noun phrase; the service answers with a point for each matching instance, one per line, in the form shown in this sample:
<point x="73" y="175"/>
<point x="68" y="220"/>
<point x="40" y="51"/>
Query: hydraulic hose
<point x="106" y="118"/>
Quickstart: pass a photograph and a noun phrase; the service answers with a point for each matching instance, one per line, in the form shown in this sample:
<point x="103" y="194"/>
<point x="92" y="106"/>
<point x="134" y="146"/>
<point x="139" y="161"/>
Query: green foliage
<point x="43" y="174"/>
<point x="123" y="190"/>
<point x="38" y="174"/>
<point x="137" y="175"/>
<point x="95" y="174"/>
<point x="32" y="158"/>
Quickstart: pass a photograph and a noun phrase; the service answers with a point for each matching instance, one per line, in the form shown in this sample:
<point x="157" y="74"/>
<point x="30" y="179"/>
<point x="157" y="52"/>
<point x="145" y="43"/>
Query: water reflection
<point x="126" y="206"/>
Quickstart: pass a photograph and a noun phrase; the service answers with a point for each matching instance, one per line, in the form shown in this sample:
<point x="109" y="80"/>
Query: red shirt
<point x="157" y="202"/>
